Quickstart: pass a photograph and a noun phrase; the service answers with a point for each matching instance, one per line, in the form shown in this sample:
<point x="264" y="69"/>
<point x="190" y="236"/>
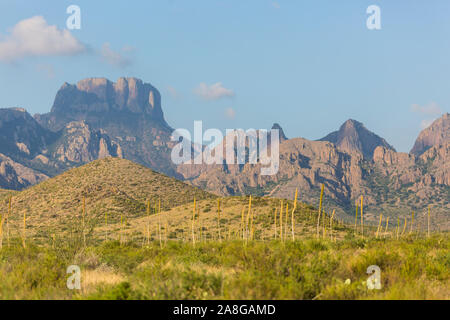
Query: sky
<point x="308" y="65"/>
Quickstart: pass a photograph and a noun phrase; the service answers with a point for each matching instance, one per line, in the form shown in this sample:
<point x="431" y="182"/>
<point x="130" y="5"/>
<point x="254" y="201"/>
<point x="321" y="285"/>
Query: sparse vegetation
<point x="171" y="241"/>
<point x="307" y="269"/>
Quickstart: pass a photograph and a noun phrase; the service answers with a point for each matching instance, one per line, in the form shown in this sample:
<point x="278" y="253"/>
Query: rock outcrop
<point x="80" y="144"/>
<point x="435" y="135"/>
<point x="21" y="136"/>
<point x="353" y="136"/>
<point x="129" y="112"/>
<point x="13" y="175"/>
<point x="90" y="98"/>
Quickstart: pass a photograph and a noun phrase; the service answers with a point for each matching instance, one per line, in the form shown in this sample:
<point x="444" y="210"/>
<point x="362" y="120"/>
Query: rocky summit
<point x="436" y="134"/>
<point x="128" y="113"/>
<point x="353" y="136"/>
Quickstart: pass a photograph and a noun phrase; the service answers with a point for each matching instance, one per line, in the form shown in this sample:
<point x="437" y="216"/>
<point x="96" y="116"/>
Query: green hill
<point x="112" y="186"/>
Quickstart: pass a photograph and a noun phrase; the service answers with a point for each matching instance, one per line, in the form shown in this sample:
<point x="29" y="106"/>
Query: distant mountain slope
<point x="111" y="186"/>
<point x="436" y="134"/>
<point x="392" y="183"/>
<point x="353" y="136"/>
<point x="14" y="175"/>
<point x="21" y="136"/>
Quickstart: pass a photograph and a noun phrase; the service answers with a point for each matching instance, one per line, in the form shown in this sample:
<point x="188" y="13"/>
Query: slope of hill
<point x="110" y="186"/>
<point x="435" y="135"/>
<point x="353" y="136"/>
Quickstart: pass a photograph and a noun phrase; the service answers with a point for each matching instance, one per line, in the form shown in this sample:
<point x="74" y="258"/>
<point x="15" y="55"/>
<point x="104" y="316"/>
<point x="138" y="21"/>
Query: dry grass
<point x="113" y="186"/>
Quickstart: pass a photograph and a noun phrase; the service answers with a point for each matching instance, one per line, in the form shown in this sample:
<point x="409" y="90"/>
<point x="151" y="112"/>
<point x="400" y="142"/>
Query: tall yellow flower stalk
<point x="243" y="223"/>
<point x="362" y="216"/>
<point x="320" y="210"/>
<point x="331" y="224"/>
<point x="121" y="229"/>
<point x="83" y="221"/>
<point x="218" y="219"/>
<point x="292" y="216"/>
<point x="281" y="220"/>
<point x="248" y="218"/>
<point x="24" y="230"/>
<point x="387" y="225"/>
<point x="379" y="226"/>
<point x="106" y="226"/>
<point x="252" y="225"/>
<point x="1" y="230"/>
<point x="398" y="226"/>
<point x="404" y="227"/>
<point x="7" y="218"/>
<point x="286" y="221"/>
<point x="193" y="224"/>
<point x="148" y="223"/>
<point x="356" y="216"/>
<point x="412" y="222"/>
<point x="166" y="232"/>
<point x="275" y="222"/>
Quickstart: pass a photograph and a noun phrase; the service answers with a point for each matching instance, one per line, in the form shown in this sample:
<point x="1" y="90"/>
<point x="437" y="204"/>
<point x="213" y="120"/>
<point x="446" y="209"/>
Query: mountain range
<point x="97" y="118"/>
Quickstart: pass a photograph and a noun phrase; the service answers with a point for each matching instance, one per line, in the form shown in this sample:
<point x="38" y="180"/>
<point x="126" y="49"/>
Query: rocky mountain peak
<point x="354" y="136"/>
<point x="96" y="95"/>
<point x="282" y="135"/>
<point x="436" y="134"/>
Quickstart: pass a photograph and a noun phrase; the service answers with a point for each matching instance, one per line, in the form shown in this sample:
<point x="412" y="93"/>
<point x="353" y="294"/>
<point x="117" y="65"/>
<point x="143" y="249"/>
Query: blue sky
<point x="308" y="65"/>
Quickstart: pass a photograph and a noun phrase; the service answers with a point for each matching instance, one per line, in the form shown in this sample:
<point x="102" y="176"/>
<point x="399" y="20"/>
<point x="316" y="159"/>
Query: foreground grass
<point x="307" y="269"/>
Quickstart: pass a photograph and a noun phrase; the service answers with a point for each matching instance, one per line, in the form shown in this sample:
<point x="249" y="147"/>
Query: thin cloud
<point x="115" y="58"/>
<point x="47" y="70"/>
<point x="430" y="109"/>
<point x="173" y="92"/>
<point x="230" y="113"/>
<point x="215" y="91"/>
<point x="33" y="37"/>
<point x="276" y="5"/>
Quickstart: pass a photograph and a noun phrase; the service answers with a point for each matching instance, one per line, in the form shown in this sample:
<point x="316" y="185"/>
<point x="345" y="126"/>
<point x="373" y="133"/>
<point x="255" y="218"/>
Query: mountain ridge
<point x="97" y="118"/>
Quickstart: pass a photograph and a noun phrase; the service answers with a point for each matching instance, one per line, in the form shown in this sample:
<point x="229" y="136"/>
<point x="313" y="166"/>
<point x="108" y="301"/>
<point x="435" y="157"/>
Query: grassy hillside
<point x="114" y="186"/>
<point x="236" y="222"/>
<point x="6" y="193"/>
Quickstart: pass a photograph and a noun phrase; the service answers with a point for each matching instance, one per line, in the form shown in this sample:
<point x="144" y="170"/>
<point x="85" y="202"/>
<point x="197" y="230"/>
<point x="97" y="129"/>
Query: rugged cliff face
<point x="435" y="135"/>
<point x="78" y="144"/>
<point x="128" y="112"/>
<point x="94" y="98"/>
<point x="21" y="137"/>
<point x="31" y="153"/>
<point x="13" y="175"/>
